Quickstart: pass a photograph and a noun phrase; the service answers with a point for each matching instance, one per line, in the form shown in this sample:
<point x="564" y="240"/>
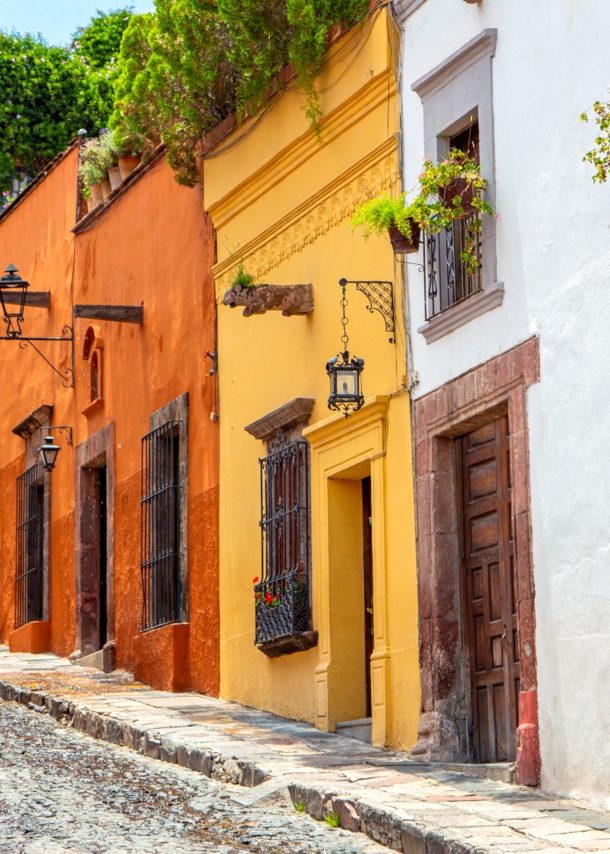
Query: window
<point x="456" y="95"/>
<point x="446" y="279"/>
<point x="160" y="526"/>
<point x="29" y="583"/>
<point x="282" y="595"/>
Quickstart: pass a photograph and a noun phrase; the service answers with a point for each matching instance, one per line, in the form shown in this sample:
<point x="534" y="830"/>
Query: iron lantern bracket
<point x="67" y="374"/>
<point x="63" y="428"/>
<point x="381" y="298"/>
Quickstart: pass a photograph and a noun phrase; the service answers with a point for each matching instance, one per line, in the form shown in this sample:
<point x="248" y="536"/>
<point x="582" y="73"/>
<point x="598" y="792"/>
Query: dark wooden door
<point x="490" y="591"/>
<point x="367" y="553"/>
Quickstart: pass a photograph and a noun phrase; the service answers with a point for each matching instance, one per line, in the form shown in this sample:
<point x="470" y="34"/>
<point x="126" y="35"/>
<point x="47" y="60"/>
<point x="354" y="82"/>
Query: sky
<point x="57" y="19"/>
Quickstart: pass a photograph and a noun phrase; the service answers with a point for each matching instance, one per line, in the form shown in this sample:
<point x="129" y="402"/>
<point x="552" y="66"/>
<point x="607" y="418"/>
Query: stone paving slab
<point x="404" y="805"/>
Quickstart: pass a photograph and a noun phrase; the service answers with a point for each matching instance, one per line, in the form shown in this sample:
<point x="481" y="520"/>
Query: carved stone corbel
<point x="289" y="299"/>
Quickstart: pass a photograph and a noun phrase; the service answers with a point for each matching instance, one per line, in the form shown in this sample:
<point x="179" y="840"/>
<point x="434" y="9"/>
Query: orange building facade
<point x="112" y="557"/>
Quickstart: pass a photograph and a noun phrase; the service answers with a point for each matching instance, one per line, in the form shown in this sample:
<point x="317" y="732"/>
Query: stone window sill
<point x="462" y="313"/>
<point x="298" y="642"/>
<point x="93" y="407"/>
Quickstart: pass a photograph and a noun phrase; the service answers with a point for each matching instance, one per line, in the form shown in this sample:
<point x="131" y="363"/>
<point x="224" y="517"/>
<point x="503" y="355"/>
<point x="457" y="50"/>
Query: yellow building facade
<point x="280" y="200"/>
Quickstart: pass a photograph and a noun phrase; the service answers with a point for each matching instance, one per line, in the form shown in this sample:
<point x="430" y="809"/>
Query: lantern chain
<point x="344" y="318"/>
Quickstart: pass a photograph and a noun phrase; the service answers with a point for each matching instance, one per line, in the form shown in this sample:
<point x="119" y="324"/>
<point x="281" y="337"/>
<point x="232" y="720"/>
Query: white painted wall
<point x="553" y="239"/>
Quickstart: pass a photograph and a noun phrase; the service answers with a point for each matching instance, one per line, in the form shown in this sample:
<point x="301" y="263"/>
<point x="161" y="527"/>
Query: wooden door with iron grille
<point x="489" y="588"/>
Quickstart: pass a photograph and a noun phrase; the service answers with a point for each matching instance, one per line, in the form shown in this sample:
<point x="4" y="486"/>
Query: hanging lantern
<point x="13" y="291"/>
<point x="345" y="385"/>
<point x="345" y="373"/>
<point x="48" y="454"/>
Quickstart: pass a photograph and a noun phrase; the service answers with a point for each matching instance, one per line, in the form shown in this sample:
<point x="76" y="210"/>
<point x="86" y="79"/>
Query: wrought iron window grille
<point x="29" y="581"/>
<point x="446" y="279"/>
<point x="160" y="526"/>
<point x="282" y="597"/>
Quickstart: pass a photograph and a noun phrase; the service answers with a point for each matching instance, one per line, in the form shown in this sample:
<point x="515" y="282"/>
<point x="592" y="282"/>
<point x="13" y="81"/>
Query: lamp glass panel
<point x="347" y="383"/>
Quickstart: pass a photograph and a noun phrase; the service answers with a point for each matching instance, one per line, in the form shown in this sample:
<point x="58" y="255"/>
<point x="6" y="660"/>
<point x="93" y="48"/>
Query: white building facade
<point x="512" y="408"/>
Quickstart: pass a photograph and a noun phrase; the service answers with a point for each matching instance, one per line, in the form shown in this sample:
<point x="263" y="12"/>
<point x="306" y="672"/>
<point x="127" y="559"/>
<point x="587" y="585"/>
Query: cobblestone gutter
<point x="386" y="827"/>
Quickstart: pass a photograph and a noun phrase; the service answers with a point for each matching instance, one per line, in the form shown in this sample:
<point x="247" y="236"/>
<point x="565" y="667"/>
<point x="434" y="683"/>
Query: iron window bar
<point x="29" y="580"/>
<point x="160" y="526"/>
<point x="282" y="596"/>
<point x="446" y="279"/>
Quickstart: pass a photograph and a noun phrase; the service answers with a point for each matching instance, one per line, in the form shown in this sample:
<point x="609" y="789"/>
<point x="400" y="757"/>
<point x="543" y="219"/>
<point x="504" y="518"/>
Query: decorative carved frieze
<point x="39" y="418"/>
<point x="377" y="173"/>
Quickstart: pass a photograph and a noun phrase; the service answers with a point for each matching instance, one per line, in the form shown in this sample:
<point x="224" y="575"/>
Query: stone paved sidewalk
<point x="410" y="807"/>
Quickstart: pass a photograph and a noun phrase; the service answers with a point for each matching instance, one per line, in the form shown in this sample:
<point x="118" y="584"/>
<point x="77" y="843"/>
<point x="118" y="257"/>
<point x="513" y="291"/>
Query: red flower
<point x="255" y="579"/>
<point x="268" y="597"/>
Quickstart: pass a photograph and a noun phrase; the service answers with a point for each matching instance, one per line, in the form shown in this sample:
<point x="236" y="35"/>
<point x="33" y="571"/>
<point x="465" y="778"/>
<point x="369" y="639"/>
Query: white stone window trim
<point x="453" y="92"/>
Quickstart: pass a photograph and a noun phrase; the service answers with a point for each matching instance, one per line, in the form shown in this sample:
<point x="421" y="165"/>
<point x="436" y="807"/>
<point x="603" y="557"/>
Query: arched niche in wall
<point x="93" y="352"/>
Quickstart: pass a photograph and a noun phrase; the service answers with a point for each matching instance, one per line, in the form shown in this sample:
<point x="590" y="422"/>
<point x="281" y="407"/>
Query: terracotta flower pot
<point x="96" y="195"/>
<point x="89" y="204"/>
<point x="106" y="188"/>
<point x="114" y="176"/>
<point x="403" y="245"/>
<point x="459" y="188"/>
<point x="128" y="163"/>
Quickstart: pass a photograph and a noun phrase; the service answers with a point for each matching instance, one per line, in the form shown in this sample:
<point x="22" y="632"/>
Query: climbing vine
<point x="183" y="70"/>
<point x="599" y="156"/>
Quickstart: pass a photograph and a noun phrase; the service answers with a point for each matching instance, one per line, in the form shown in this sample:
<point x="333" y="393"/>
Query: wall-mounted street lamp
<point x="14" y="292"/>
<point x="12" y="285"/>
<point x="345" y="373"/>
<point x="48" y="451"/>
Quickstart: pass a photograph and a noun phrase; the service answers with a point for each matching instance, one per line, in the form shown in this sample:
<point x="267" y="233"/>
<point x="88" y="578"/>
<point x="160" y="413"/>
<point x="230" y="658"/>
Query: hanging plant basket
<point x="462" y="189"/>
<point x="403" y="245"/>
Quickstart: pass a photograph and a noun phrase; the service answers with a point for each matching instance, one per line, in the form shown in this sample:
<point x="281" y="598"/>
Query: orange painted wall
<point x="35" y="236"/>
<point x="155" y="246"/>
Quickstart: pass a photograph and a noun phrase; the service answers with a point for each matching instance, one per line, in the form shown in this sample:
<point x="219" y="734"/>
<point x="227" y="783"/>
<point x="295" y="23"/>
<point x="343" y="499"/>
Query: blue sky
<point x="57" y="19"/>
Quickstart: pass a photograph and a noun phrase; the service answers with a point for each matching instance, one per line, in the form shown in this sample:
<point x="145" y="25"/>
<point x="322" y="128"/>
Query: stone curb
<point x="384" y="826"/>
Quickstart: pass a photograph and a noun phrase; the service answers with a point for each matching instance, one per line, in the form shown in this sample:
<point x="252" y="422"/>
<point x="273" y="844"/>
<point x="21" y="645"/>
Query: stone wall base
<point x="162" y="657"/>
<point x="34" y="637"/>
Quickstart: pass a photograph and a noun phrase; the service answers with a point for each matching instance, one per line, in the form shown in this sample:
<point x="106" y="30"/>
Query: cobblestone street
<point x="64" y="791"/>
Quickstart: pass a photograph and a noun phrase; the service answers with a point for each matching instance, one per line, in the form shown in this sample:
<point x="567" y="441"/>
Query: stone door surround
<point x="97" y="450"/>
<point x="494" y="388"/>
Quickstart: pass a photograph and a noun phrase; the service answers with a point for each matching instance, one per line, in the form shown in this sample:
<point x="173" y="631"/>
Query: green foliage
<point x="175" y="82"/>
<point x="242" y="278"/>
<point x="600" y="155"/>
<point x="429" y="210"/>
<point x="300" y="807"/>
<point x="377" y="215"/>
<point x="47" y="93"/>
<point x="99" y="42"/>
<point x="185" y="69"/>
<point x="332" y="820"/>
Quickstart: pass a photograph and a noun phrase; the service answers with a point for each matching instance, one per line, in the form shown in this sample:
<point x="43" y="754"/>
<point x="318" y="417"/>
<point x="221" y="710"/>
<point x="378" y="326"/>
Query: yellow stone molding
<point x="343" y="448"/>
<point x="299" y="151"/>
<point x="332" y="205"/>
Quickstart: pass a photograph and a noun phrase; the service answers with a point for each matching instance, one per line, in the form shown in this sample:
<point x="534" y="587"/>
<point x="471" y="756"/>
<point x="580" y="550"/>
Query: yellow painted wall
<point x="280" y="202"/>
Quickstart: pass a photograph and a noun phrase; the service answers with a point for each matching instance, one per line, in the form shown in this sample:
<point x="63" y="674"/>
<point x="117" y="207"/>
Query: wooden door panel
<point x="492" y="628"/>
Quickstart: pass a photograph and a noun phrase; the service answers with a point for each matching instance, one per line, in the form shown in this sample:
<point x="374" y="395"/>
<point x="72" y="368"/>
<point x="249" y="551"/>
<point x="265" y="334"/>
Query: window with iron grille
<point x="160" y="526"/>
<point x="282" y="596"/>
<point x="446" y="277"/>
<point x="29" y="582"/>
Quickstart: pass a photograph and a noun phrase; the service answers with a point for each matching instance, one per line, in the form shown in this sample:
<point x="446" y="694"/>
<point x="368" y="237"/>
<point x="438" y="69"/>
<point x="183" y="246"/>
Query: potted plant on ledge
<point x="385" y="214"/>
<point x="451" y="190"/>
